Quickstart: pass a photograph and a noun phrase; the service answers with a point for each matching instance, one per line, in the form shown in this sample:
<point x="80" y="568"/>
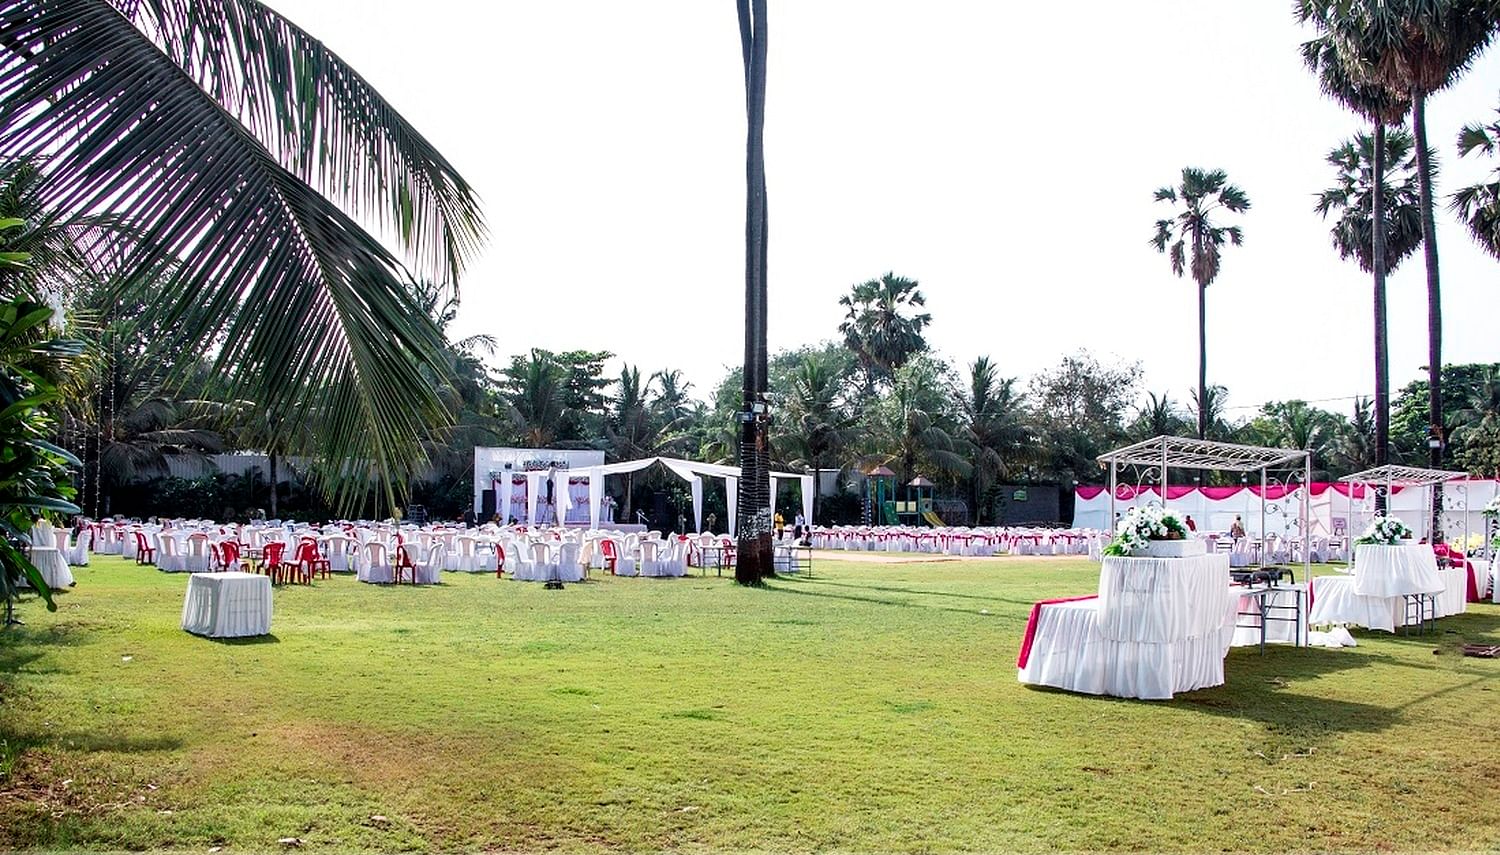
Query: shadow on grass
<point x="879" y="600"/>
<point x="245" y="641"/>
<point x="893" y="589"/>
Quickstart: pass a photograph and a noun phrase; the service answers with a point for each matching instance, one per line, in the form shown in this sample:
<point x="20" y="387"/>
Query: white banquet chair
<point x="429" y="570"/>
<point x="374" y="564"/>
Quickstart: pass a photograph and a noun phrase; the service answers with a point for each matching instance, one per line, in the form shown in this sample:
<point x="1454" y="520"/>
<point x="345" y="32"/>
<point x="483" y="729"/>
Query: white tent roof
<point x="1178" y="452"/>
<point x="1403" y="476"/>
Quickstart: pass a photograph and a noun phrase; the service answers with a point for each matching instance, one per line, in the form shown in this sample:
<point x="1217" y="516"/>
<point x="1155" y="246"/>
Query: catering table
<point x="1336" y="599"/>
<point x="1157" y="626"/>
<point x="1395" y="571"/>
<point x="227" y="605"/>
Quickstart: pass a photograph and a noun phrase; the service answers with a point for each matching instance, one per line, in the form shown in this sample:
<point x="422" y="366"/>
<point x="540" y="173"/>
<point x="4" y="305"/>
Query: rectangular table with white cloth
<point x="227" y="605"/>
<point x="1158" y="626"/>
<point x="1391" y="586"/>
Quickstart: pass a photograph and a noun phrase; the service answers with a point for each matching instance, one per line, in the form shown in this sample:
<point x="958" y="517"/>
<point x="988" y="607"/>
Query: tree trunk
<point x="1434" y="303"/>
<point x="1202" y="361"/>
<point x="275" y="478"/>
<point x="753" y="555"/>
<point x="629" y="497"/>
<point x="1382" y="361"/>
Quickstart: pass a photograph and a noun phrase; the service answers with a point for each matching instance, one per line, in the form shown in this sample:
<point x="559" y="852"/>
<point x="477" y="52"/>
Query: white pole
<point x="1112" y="475"/>
<point x="1261" y="558"/>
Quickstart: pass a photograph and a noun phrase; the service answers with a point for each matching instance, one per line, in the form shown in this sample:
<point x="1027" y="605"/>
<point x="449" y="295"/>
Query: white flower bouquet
<point x="1384" y="531"/>
<point x="1493" y="508"/>
<point x="1142" y="525"/>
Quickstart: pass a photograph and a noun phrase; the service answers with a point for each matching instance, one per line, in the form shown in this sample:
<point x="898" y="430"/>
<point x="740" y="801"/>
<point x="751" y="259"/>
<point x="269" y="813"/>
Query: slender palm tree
<point x="1415" y="48"/>
<point x="1354" y="202"/>
<point x="820" y="422"/>
<point x="1198" y="246"/>
<point x="240" y="151"/>
<point x="994" y="428"/>
<point x="533" y="391"/>
<point x="753" y="555"/>
<point x="1479" y="204"/>
<point x="881" y="326"/>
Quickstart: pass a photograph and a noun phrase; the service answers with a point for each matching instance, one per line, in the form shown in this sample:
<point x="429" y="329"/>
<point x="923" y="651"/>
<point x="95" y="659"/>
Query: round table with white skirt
<point x="227" y="605"/>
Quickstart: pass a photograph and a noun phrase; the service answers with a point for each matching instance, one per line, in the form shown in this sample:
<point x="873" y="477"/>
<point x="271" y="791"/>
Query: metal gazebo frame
<point x="1176" y="452"/>
<point x="1383" y="480"/>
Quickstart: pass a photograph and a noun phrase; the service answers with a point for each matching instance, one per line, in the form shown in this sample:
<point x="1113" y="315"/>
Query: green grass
<point x="868" y="708"/>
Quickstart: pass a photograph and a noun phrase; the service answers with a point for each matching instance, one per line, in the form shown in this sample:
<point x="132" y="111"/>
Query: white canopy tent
<point x="1391" y="480"/>
<point x="1164" y="453"/>
<point x="689" y="471"/>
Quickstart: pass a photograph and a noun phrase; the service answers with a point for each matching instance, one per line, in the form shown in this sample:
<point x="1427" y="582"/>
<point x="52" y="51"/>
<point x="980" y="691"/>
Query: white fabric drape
<point x="502" y="497"/>
<point x="533" y="491"/>
<point x="596" y="495"/>
<point x="697" y="503"/>
<point x="562" y="495"/>
<point x="1391" y="571"/>
<point x="807" y="498"/>
<point x="732" y="496"/>
<point x="774" y="486"/>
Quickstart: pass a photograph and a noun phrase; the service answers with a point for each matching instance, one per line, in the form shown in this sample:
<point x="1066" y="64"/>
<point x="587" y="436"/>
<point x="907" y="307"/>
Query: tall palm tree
<point x="240" y="151"/>
<point x="881" y="327"/>
<point x="753" y="555"/>
<point x="533" y="391"/>
<point x="1355" y="201"/>
<point x="819" y="420"/>
<point x="1479" y="204"/>
<point x="993" y="426"/>
<point x="1158" y="417"/>
<point x="1416" y="48"/>
<point x="1198" y="246"/>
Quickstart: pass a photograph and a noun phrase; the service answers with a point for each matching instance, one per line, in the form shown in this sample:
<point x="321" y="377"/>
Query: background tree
<point x="1478" y="205"/>
<point x="1342" y="78"/>
<point x="881" y="327"/>
<point x="913" y="429"/>
<point x="1159" y="416"/>
<point x="1081" y="405"/>
<point x="818" y="420"/>
<point x="1198" y="245"/>
<point x="993" y="426"/>
<point x="240" y="197"/>
<point x="1418" y="48"/>
<point x="534" y="392"/>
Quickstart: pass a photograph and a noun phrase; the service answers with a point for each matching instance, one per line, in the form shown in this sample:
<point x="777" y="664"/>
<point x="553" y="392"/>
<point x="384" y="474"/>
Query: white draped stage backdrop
<point x="1334" y="509"/>
<point x="578" y="490"/>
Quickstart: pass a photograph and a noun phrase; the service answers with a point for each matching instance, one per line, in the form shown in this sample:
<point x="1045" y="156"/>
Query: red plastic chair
<point x="402" y="563"/>
<point x="272" y="563"/>
<point x="608" y="548"/>
<point x="499" y="560"/>
<point x="143" y="554"/>
<point x="309" y="561"/>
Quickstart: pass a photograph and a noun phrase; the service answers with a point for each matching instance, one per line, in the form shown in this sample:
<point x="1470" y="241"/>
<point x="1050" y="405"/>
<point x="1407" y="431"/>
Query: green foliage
<point x="1351" y="198"/>
<point x="881" y="328"/>
<point x="1478" y="205"/>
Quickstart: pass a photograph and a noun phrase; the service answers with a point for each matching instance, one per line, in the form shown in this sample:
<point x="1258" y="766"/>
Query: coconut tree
<point x="1416" y="48"/>
<point x="993" y="427"/>
<point x="533" y="393"/>
<point x="819" y="421"/>
<point x="240" y="151"/>
<point x="1194" y="241"/>
<point x="753" y="554"/>
<point x="1384" y="160"/>
<point x="1479" y="204"/>
<point x="882" y="327"/>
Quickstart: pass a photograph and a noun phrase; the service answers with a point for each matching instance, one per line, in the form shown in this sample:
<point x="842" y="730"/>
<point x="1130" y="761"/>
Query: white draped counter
<point x="1157" y="626"/>
<point x="227" y="605"/>
<point x="1336" y="600"/>
<point x="1394" y="571"/>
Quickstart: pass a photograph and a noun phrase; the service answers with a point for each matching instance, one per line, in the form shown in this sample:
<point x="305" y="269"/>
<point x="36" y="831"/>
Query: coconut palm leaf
<point x="211" y="126"/>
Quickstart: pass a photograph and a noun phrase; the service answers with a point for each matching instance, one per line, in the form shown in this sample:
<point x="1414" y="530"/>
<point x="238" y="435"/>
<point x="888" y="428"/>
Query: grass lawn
<point x="872" y="707"/>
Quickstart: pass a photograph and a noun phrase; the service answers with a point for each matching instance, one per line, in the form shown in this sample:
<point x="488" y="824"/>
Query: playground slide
<point x="933" y="519"/>
<point x="889" y="509"/>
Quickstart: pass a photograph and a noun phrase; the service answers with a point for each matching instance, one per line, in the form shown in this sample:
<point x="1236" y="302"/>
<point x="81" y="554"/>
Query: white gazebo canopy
<point x="690" y="471"/>
<point x="1385" y="480"/>
<point x="1178" y="452"/>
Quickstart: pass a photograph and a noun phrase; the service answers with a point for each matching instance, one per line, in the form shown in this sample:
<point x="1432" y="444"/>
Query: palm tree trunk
<point x="629" y="497"/>
<point x="1434" y="301"/>
<point x="753" y="556"/>
<point x="1377" y="264"/>
<point x="1202" y="361"/>
<point x="274" y="480"/>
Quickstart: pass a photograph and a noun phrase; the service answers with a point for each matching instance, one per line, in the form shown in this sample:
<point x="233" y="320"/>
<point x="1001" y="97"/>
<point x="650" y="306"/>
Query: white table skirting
<point x="227" y="605"/>
<point x="1068" y="652"/>
<point x="1336" y="600"/>
<point x="1391" y="571"/>
<point x="1162" y="599"/>
<point x="53" y="567"/>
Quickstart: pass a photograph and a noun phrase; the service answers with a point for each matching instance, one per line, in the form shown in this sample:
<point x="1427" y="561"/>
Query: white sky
<point x="1002" y="154"/>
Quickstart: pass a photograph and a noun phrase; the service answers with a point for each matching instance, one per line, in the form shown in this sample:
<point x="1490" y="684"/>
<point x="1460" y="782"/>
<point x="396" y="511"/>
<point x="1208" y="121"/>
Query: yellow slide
<point x="933" y="519"/>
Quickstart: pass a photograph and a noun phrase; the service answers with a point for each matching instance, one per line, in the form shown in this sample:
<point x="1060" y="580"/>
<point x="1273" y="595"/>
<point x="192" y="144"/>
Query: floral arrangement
<point x="1493" y="508"/>
<point x="1140" y="525"/>
<point x="1474" y="541"/>
<point x="1384" y="531"/>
